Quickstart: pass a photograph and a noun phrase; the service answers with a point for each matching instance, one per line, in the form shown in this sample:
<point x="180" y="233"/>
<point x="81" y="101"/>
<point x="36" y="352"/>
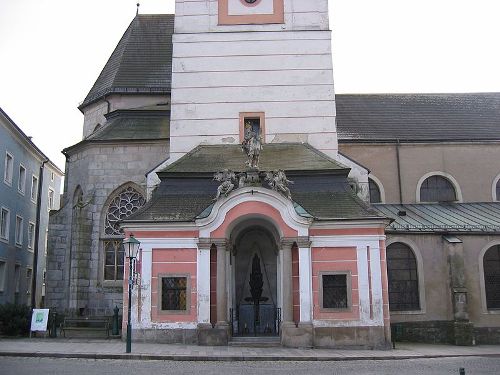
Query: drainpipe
<point x="37" y="234"/>
<point x="399" y="172"/>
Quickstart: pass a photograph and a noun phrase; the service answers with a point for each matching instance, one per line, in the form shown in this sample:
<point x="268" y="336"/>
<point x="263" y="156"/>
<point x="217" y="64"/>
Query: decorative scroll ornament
<point x="122" y="206"/>
<point x="252" y="145"/>
<point x="228" y="179"/>
<point x="278" y="182"/>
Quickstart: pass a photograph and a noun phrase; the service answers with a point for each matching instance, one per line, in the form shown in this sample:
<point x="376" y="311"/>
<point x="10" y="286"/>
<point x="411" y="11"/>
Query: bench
<point x="85" y="325"/>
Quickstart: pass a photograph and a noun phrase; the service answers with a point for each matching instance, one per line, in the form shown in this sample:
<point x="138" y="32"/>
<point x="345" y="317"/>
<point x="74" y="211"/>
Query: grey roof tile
<point x="286" y="156"/>
<point x="134" y="125"/>
<point x="141" y="62"/>
<point x="418" y="117"/>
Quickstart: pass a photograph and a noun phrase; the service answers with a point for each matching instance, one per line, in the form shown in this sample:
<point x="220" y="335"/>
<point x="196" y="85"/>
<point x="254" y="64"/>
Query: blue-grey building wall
<point x="17" y="257"/>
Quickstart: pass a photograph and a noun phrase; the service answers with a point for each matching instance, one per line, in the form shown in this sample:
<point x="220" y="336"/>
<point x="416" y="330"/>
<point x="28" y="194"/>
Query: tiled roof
<point x="134" y="124"/>
<point x="442" y="218"/>
<point x="141" y="62"/>
<point x="418" y="117"/>
<point x="286" y="156"/>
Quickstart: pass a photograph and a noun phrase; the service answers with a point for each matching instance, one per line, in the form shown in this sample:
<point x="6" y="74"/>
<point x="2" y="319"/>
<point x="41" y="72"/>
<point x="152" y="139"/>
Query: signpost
<point x="39" y="320"/>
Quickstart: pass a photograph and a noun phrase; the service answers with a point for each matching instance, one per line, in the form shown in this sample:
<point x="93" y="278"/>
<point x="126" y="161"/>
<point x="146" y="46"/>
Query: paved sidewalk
<point x="115" y="349"/>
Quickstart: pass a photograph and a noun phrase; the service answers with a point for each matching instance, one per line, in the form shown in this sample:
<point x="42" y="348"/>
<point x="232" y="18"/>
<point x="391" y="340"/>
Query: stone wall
<point x="75" y="280"/>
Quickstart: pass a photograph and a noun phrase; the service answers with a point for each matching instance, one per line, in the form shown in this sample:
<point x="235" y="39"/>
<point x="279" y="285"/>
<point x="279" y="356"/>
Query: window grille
<point x="374" y="192"/>
<point x="174" y="293"/>
<point x="403" y="278"/>
<point x="437" y="189"/>
<point x="491" y="265"/>
<point x="335" y="291"/>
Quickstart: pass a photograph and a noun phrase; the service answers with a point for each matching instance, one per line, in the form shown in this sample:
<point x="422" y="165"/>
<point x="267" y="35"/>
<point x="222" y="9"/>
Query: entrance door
<point x="255" y="311"/>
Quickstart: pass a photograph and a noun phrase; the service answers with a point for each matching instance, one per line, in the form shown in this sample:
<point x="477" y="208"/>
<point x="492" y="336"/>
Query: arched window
<point x="125" y="203"/>
<point x="437" y="188"/>
<point x="491" y="266"/>
<point x="375" y="196"/>
<point x="498" y="190"/>
<point x="403" y="278"/>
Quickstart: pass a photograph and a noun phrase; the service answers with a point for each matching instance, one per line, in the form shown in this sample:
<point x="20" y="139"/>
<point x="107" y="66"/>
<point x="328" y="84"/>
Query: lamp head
<point x="131" y="246"/>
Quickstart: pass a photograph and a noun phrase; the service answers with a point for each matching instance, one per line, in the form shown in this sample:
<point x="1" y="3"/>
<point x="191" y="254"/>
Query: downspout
<point x="37" y="234"/>
<point x="399" y="172"/>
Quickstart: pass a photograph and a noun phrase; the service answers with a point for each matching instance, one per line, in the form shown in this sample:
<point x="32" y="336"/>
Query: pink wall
<point x="335" y="259"/>
<point x="177" y="262"/>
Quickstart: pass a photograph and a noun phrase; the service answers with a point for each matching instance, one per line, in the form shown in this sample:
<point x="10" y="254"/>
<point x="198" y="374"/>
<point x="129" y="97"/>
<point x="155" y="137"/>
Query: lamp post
<point x="131" y="246"/>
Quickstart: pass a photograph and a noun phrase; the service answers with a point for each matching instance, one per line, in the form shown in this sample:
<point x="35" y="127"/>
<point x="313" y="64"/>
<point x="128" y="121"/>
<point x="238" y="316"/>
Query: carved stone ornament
<point x="278" y="182"/>
<point x="252" y="145"/>
<point x="228" y="179"/>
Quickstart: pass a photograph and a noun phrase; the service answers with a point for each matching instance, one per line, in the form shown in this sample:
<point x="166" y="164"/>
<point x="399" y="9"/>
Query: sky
<point x="52" y="51"/>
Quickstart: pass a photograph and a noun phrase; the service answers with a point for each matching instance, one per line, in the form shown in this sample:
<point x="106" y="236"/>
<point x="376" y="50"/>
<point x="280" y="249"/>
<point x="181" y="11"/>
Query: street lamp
<point x="131" y="246"/>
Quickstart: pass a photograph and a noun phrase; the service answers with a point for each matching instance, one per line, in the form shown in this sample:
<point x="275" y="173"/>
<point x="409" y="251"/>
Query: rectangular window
<point x="8" y="171"/>
<point x="29" y="279"/>
<point x="21" y="184"/>
<point x="52" y="176"/>
<point x="51" y="199"/>
<point x="17" y="277"/>
<point x="114" y="256"/>
<point x="252" y="122"/>
<point x="3" y="272"/>
<point x="19" y="230"/>
<point x="4" y="224"/>
<point x="174" y="293"/>
<point x="31" y="235"/>
<point x="335" y="291"/>
<point x="34" y="188"/>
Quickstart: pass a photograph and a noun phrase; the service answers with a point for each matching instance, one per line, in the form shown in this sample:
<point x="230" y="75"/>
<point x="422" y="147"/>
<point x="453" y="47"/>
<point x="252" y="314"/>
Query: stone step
<point x="255" y="342"/>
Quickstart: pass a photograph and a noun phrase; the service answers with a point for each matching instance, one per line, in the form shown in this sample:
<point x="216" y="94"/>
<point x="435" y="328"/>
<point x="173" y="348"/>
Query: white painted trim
<point x="346" y="241"/>
<point x="376" y="285"/>
<point x="379" y="185"/>
<point x="7" y="225"/>
<point x="448" y="176"/>
<point x="482" y="286"/>
<point x="346" y="323"/>
<point x="363" y="284"/>
<point x="420" y="274"/>
<point x="146" y="280"/>
<point x="494" y="189"/>
<point x="6" y="169"/>
<point x="255" y="194"/>
<point x="305" y="284"/>
<point x="203" y="285"/>
<point x="169" y="243"/>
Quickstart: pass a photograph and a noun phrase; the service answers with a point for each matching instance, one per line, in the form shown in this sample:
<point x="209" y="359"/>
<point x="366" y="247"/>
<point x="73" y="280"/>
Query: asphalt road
<point x="442" y="366"/>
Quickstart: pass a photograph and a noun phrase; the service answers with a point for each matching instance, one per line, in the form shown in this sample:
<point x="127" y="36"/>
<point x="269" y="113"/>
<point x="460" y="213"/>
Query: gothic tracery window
<point x="124" y="204"/>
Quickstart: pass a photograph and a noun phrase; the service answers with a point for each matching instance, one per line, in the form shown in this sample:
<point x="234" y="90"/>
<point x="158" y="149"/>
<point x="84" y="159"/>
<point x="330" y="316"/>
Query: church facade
<point x="211" y="136"/>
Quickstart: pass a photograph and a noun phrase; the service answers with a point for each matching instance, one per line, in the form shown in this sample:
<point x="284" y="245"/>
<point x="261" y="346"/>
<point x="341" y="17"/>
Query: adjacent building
<point x="29" y="190"/>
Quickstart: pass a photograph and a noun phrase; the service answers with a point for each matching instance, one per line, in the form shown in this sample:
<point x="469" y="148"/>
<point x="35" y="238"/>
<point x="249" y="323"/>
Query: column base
<point x="213" y="336"/>
<point x="300" y="336"/>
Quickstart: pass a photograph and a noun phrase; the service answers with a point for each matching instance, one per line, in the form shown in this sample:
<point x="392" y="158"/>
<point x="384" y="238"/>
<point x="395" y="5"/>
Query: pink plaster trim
<point x="252" y="19"/>
<point x="261" y="116"/>
<point x="249" y="209"/>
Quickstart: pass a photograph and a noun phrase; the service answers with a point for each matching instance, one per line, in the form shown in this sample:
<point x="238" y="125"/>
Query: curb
<point x="202" y="358"/>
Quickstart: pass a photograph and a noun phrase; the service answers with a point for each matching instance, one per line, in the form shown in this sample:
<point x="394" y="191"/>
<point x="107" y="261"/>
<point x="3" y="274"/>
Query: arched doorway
<point x="255" y="278"/>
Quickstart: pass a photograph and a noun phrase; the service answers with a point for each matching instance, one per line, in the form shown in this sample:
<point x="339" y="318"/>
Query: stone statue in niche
<point x="251" y="145"/>
<point x="278" y="182"/>
<point x="228" y="179"/>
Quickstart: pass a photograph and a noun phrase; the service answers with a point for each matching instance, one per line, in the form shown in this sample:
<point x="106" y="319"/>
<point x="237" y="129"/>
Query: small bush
<point x="15" y="319"/>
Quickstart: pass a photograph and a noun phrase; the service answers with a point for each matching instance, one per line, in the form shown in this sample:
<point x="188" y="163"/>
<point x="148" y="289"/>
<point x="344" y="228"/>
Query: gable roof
<point x="141" y="62"/>
<point x="418" y="117"/>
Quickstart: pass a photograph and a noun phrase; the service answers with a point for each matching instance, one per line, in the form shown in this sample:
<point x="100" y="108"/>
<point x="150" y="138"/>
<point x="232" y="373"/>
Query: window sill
<point x="7" y="183"/>
<point x="492" y="312"/>
<point x="173" y="312"/>
<point x="5" y="240"/>
<point x="410" y="312"/>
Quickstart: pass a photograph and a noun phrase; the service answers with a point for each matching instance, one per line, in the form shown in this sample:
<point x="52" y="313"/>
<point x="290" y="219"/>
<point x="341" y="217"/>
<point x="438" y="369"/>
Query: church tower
<point x="267" y="62"/>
